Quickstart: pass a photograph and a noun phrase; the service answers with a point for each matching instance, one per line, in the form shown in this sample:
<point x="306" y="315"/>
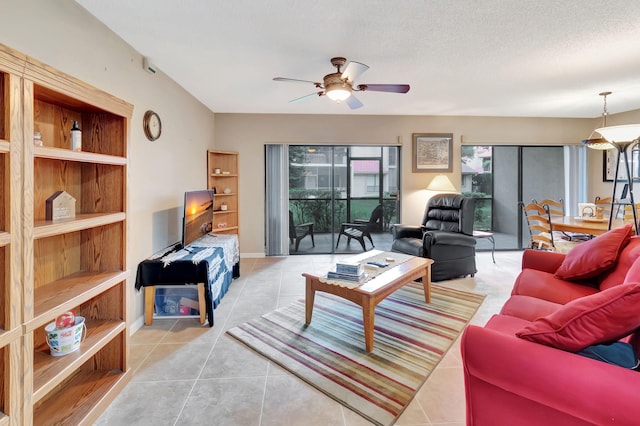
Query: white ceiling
<point x="540" y="58"/>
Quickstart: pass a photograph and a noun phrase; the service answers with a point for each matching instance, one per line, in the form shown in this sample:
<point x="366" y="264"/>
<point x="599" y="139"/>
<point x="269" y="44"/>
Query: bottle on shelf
<point x="37" y="139"/>
<point x="76" y="137"/>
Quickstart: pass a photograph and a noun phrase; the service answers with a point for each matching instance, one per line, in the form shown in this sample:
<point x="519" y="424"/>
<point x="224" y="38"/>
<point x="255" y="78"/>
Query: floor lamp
<point x="620" y="138"/>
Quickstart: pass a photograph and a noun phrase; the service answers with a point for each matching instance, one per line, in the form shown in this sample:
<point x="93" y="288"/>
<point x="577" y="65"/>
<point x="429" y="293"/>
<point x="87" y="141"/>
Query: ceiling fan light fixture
<point x="335" y="88"/>
<point x="338" y="94"/>
<point x="338" y="86"/>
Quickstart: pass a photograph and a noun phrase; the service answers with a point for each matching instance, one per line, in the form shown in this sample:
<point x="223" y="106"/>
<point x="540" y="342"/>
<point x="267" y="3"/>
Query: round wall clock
<point x="152" y="125"/>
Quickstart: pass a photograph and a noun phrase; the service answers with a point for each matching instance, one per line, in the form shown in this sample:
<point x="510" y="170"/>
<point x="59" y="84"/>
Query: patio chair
<point x="360" y="229"/>
<point x="298" y="232"/>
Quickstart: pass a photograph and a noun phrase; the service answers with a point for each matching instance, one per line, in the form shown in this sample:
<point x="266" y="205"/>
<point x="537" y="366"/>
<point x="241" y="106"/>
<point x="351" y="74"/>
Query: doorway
<point x="330" y="185"/>
<point x="499" y="177"/>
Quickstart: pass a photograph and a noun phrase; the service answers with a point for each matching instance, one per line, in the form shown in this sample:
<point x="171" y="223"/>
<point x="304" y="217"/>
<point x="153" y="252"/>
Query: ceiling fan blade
<point x="353" y="71"/>
<point x="295" y="80"/>
<point x="353" y="102"/>
<point x="392" y="88"/>
<point x="305" y="97"/>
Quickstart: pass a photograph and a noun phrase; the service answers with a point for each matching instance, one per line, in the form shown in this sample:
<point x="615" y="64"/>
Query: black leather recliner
<point x="446" y="236"/>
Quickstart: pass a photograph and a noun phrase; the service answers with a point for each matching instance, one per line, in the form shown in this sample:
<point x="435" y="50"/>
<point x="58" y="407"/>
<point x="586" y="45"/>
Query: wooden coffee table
<point x="372" y="292"/>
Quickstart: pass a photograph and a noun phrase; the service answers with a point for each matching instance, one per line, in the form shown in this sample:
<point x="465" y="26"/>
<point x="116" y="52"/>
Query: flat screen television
<point x="198" y="215"/>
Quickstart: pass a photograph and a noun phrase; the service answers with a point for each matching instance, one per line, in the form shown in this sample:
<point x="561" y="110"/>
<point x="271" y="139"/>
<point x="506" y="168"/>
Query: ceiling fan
<point x="338" y="86"/>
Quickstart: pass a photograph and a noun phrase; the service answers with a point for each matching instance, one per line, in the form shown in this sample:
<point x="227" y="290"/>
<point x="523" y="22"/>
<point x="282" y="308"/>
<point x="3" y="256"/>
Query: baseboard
<point x="136" y="325"/>
<point x="251" y="255"/>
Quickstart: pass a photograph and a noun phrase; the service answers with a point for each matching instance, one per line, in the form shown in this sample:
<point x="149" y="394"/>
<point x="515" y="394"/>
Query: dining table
<point x="580" y="225"/>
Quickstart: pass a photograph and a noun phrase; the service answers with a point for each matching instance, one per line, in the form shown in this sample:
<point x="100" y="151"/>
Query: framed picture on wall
<point x="432" y="152"/>
<point x="609" y="165"/>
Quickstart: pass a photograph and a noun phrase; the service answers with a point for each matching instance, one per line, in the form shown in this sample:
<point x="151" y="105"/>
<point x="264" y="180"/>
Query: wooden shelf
<point x="48" y="228"/>
<point x="4" y="145"/>
<point x="83" y="398"/>
<point x="217" y="212"/>
<point x="230" y="194"/>
<point x="224" y="175"/>
<point x="223" y="230"/>
<point x="80" y="156"/>
<point x="7" y="336"/>
<point x="49" y="371"/>
<point x="60" y="296"/>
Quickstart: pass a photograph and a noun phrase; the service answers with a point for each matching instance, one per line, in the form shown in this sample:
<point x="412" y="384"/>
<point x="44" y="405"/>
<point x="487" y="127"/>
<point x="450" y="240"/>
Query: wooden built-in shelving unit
<point x="51" y="267"/>
<point x="228" y="177"/>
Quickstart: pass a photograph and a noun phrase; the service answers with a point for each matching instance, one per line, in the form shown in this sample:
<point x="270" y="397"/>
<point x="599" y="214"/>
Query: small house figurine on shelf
<point x="61" y="205"/>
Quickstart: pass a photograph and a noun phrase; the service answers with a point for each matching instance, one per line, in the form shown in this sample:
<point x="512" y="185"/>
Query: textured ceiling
<point x="461" y="57"/>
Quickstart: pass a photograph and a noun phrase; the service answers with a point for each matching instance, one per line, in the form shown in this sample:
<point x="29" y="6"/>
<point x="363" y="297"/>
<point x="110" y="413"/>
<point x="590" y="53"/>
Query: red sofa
<point x="510" y="380"/>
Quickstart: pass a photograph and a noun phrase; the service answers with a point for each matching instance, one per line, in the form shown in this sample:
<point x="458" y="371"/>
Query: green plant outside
<point x="483" y="210"/>
<point x="316" y="206"/>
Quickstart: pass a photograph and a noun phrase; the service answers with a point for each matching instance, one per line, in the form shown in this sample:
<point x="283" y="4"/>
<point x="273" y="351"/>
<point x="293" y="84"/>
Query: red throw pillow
<point x="588" y="259"/>
<point x="599" y="318"/>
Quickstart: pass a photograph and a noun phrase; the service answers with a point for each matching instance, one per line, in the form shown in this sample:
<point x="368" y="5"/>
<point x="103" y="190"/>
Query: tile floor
<point x="187" y="374"/>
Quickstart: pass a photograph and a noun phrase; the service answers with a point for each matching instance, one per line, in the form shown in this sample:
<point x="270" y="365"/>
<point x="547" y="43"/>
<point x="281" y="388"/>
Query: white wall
<point x="65" y="36"/>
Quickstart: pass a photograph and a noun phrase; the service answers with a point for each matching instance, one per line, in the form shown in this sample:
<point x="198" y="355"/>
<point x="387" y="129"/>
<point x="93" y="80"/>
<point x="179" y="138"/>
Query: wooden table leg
<point x="426" y="284"/>
<point x="202" y="303"/>
<point x="309" y="298"/>
<point x="368" y="311"/>
<point x="149" y="303"/>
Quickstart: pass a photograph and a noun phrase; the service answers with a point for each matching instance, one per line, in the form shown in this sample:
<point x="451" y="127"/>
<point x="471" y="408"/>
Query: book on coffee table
<point x="357" y="278"/>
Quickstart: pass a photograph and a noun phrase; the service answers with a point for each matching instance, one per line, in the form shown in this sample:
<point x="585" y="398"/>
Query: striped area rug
<point x="410" y="339"/>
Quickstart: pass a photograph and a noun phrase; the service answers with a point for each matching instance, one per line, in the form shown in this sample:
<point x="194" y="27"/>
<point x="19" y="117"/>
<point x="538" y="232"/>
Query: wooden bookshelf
<point x="51" y="267"/>
<point x="226" y="185"/>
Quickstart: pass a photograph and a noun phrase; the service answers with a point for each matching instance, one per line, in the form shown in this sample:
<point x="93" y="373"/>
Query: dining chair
<point x="539" y="224"/>
<point x="541" y="230"/>
<point x="556" y="208"/>
<point x="628" y="212"/>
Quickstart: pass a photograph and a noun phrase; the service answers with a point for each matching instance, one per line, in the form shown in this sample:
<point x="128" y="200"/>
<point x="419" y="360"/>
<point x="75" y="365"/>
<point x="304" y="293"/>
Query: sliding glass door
<point x="499" y="177"/>
<point x="332" y="185"/>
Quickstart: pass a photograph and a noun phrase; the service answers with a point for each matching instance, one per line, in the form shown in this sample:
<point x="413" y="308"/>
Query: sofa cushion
<point x="603" y="317"/>
<point x="633" y="274"/>
<point x="618" y="274"/>
<point x="528" y="308"/>
<point x="544" y="285"/>
<point x="506" y="324"/>
<point x="591" y="258"/>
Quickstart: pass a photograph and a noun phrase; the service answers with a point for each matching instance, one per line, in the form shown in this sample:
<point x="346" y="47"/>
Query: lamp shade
<point x="619" y="134"/>
<point x="598" y="143"/>
<point x="441" y="183"/>
<point x="339" y="94"/>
